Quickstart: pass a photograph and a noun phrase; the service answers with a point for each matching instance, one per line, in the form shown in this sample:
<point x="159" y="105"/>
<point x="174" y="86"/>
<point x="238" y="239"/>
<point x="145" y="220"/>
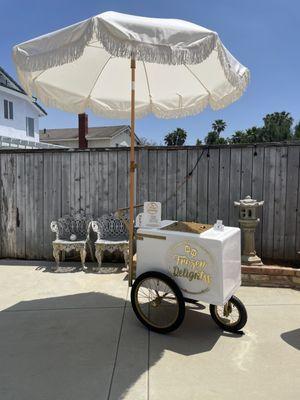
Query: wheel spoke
<point x="157" y="303"/>
<point x="232" y="318"/>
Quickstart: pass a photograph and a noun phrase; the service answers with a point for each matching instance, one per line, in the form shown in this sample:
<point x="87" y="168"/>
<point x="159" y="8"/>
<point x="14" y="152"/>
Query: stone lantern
<point x="248" y="222"/>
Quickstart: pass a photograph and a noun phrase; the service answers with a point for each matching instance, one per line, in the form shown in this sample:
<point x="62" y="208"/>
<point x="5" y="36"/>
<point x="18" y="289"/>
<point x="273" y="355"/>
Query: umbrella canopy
<point x="181" y="67"/>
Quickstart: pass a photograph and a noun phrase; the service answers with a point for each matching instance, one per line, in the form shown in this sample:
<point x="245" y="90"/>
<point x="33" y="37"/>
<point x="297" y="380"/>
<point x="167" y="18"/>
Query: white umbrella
<point x="181" y="69"/>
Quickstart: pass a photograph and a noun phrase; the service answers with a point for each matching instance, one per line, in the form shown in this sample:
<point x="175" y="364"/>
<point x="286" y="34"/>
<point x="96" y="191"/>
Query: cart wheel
<point x="157" y="302"/>
<point x="231" y="317"/>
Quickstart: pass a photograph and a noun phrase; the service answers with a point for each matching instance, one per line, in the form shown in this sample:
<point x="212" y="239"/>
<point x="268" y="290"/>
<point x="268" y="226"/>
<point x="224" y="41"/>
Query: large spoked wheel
<point x="231" y="317"/>
<point x="157" y="302"/>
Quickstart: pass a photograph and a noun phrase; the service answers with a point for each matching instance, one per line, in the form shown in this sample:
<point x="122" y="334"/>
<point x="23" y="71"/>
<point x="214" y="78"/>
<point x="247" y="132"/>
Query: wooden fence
<point x="37" y="186"/>
<point x="10" y="142"/>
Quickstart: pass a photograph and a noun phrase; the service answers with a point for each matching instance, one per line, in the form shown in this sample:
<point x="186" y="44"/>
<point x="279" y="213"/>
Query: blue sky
<point x="263" y="34"/>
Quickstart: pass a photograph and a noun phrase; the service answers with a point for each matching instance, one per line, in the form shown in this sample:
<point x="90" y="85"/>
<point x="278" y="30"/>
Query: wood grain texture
<point x="268" y="196"/>
<point x="181" y="184"/>
<point x="257" y="191"/>
<point x="213" y="186"/>
<point x="292" y="191"/>
<point x="192" y="186"/>
<point x="224" y="187"/>
<point x="171" y="203"/>
<point x="39" y="186"/>
<point x="234" y="184"/>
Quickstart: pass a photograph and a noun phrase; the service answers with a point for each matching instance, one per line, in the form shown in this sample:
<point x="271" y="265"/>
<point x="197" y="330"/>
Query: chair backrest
<point x="74" y="226"/>
<point x="112" y="228"/>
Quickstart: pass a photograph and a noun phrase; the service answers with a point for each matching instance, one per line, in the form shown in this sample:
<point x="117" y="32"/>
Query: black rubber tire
<point x="242" y="316"/>
<point x="177" y="292"/>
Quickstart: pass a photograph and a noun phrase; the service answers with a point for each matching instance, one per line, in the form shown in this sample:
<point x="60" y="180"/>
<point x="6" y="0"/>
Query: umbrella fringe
<point x="194" y="109"/>
<point x="234" y="78"/>
<point x="147" y="52"/>
<point x="155" y="53"/>
<point x="53" y="58"/>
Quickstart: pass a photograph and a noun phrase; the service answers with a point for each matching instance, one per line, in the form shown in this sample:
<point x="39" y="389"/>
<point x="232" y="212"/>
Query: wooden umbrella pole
<point x="132" y="170"/>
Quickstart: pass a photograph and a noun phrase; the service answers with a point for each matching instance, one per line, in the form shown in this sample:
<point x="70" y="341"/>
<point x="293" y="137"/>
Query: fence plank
<point x="192" y="186"/>
<point x="39" y="204"/>
<point x="257" y="191"/>
<point x="297" y="239"/>
<point x="291" y="203"/>
<point x="268" y="196"/>
<point x="142" y="185"/>
<point x="94" y="183"/>
<point x="30" y="209"/>
<point x="246" y="172"/>
<point x="113" y="181"/>
<point x="213" y="186"/>
<point x="1" y="204"/>
<point x="75" y="183"/>
<point x="85" y="182"/>
<point x="103" y="184"/>
<point x="122" y="179"/>
<point x="9" y="208"/>
<point x="224" y="180"/>
<point x="162" y="181"/>
<point x="202" y="172"/>
<point x="235" y="185"/>
<point x="48" y="204"/>
<point x="279" y="202"/>
<point x="181" y="183"/>
<point x="171" y="184"/>
<point x="66" y="184"/>
<point x="152" y="175"/>
<point x="21" y="206"/>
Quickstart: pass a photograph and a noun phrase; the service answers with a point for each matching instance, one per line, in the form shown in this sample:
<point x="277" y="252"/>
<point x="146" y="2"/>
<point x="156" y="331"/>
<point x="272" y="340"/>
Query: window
<point x="29" y="126"/>
<point x="8" y="109"/>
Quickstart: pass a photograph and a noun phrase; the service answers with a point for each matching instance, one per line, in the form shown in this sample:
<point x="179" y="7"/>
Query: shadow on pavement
<point x="65" y="347"/>
<point x="66" y="266"/>
<point x="292" y="338"/>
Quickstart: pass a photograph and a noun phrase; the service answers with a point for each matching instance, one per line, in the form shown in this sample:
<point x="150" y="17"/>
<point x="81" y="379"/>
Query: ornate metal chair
<point x="112" y="235"/>
<point x="72" y="233"/>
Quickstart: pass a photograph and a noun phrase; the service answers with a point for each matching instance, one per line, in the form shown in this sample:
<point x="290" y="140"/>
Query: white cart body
<point x="205" y="266"/>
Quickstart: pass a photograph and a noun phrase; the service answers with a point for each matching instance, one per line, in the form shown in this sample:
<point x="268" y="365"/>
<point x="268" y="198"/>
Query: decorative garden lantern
<point x="248" y="222"/>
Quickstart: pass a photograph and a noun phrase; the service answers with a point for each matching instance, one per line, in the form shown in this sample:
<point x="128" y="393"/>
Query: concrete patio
<point x="73" y="336"/>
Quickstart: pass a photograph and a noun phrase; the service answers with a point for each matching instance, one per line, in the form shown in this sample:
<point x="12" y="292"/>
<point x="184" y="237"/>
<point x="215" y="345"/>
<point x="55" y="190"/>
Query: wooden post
<point x="132" y="170"/>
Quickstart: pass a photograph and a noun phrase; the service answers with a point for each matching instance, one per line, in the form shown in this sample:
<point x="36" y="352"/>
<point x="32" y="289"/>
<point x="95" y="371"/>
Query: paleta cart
<point x="187" y="262"/>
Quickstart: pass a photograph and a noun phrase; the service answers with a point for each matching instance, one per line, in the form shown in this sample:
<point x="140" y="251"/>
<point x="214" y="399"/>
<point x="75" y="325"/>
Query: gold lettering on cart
<point x="189" y="267"/>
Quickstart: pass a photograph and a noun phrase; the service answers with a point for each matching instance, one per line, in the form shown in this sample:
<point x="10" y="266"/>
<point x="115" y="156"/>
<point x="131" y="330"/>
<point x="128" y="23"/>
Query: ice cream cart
<point x="181" y="68"/>
<point x="180" y="262"/>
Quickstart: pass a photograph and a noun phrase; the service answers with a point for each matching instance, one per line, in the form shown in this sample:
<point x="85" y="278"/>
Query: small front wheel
<point x="157" y="302"/>
<point x="231" y="317"/>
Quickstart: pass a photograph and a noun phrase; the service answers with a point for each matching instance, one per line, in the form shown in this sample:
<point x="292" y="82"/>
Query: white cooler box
<point x="205" y="266"/>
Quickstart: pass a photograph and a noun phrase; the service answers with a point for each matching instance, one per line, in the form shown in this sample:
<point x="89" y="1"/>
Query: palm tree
<point x="219" y="126"/>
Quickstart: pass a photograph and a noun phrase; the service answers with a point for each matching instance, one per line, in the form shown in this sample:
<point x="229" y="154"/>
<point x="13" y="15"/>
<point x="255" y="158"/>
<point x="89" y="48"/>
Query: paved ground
<point x="73" y="336"/>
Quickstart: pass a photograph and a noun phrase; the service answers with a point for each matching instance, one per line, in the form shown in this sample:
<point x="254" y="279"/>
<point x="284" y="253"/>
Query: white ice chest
<point x="206" y="266"/>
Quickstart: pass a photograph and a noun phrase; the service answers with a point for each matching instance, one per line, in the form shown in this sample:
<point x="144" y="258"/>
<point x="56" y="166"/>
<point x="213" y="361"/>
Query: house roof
<point x="10" y="83"/>
<point x="99" y="132"/>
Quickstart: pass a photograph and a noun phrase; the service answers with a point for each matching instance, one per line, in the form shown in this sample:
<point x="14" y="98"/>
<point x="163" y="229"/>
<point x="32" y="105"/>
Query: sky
<point x="264" y="35"/>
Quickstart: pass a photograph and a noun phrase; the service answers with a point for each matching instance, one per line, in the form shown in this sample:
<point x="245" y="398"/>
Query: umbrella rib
<point x="34" y="79"/>
<point x="98" y="76"/>
<point x="148" y="84"/>
<point x="196" y="77"/>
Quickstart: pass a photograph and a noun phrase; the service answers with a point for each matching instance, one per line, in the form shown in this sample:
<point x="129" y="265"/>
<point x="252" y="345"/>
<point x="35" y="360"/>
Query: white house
<point x="19" y="113"/>
<point x="102" y="136"/>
